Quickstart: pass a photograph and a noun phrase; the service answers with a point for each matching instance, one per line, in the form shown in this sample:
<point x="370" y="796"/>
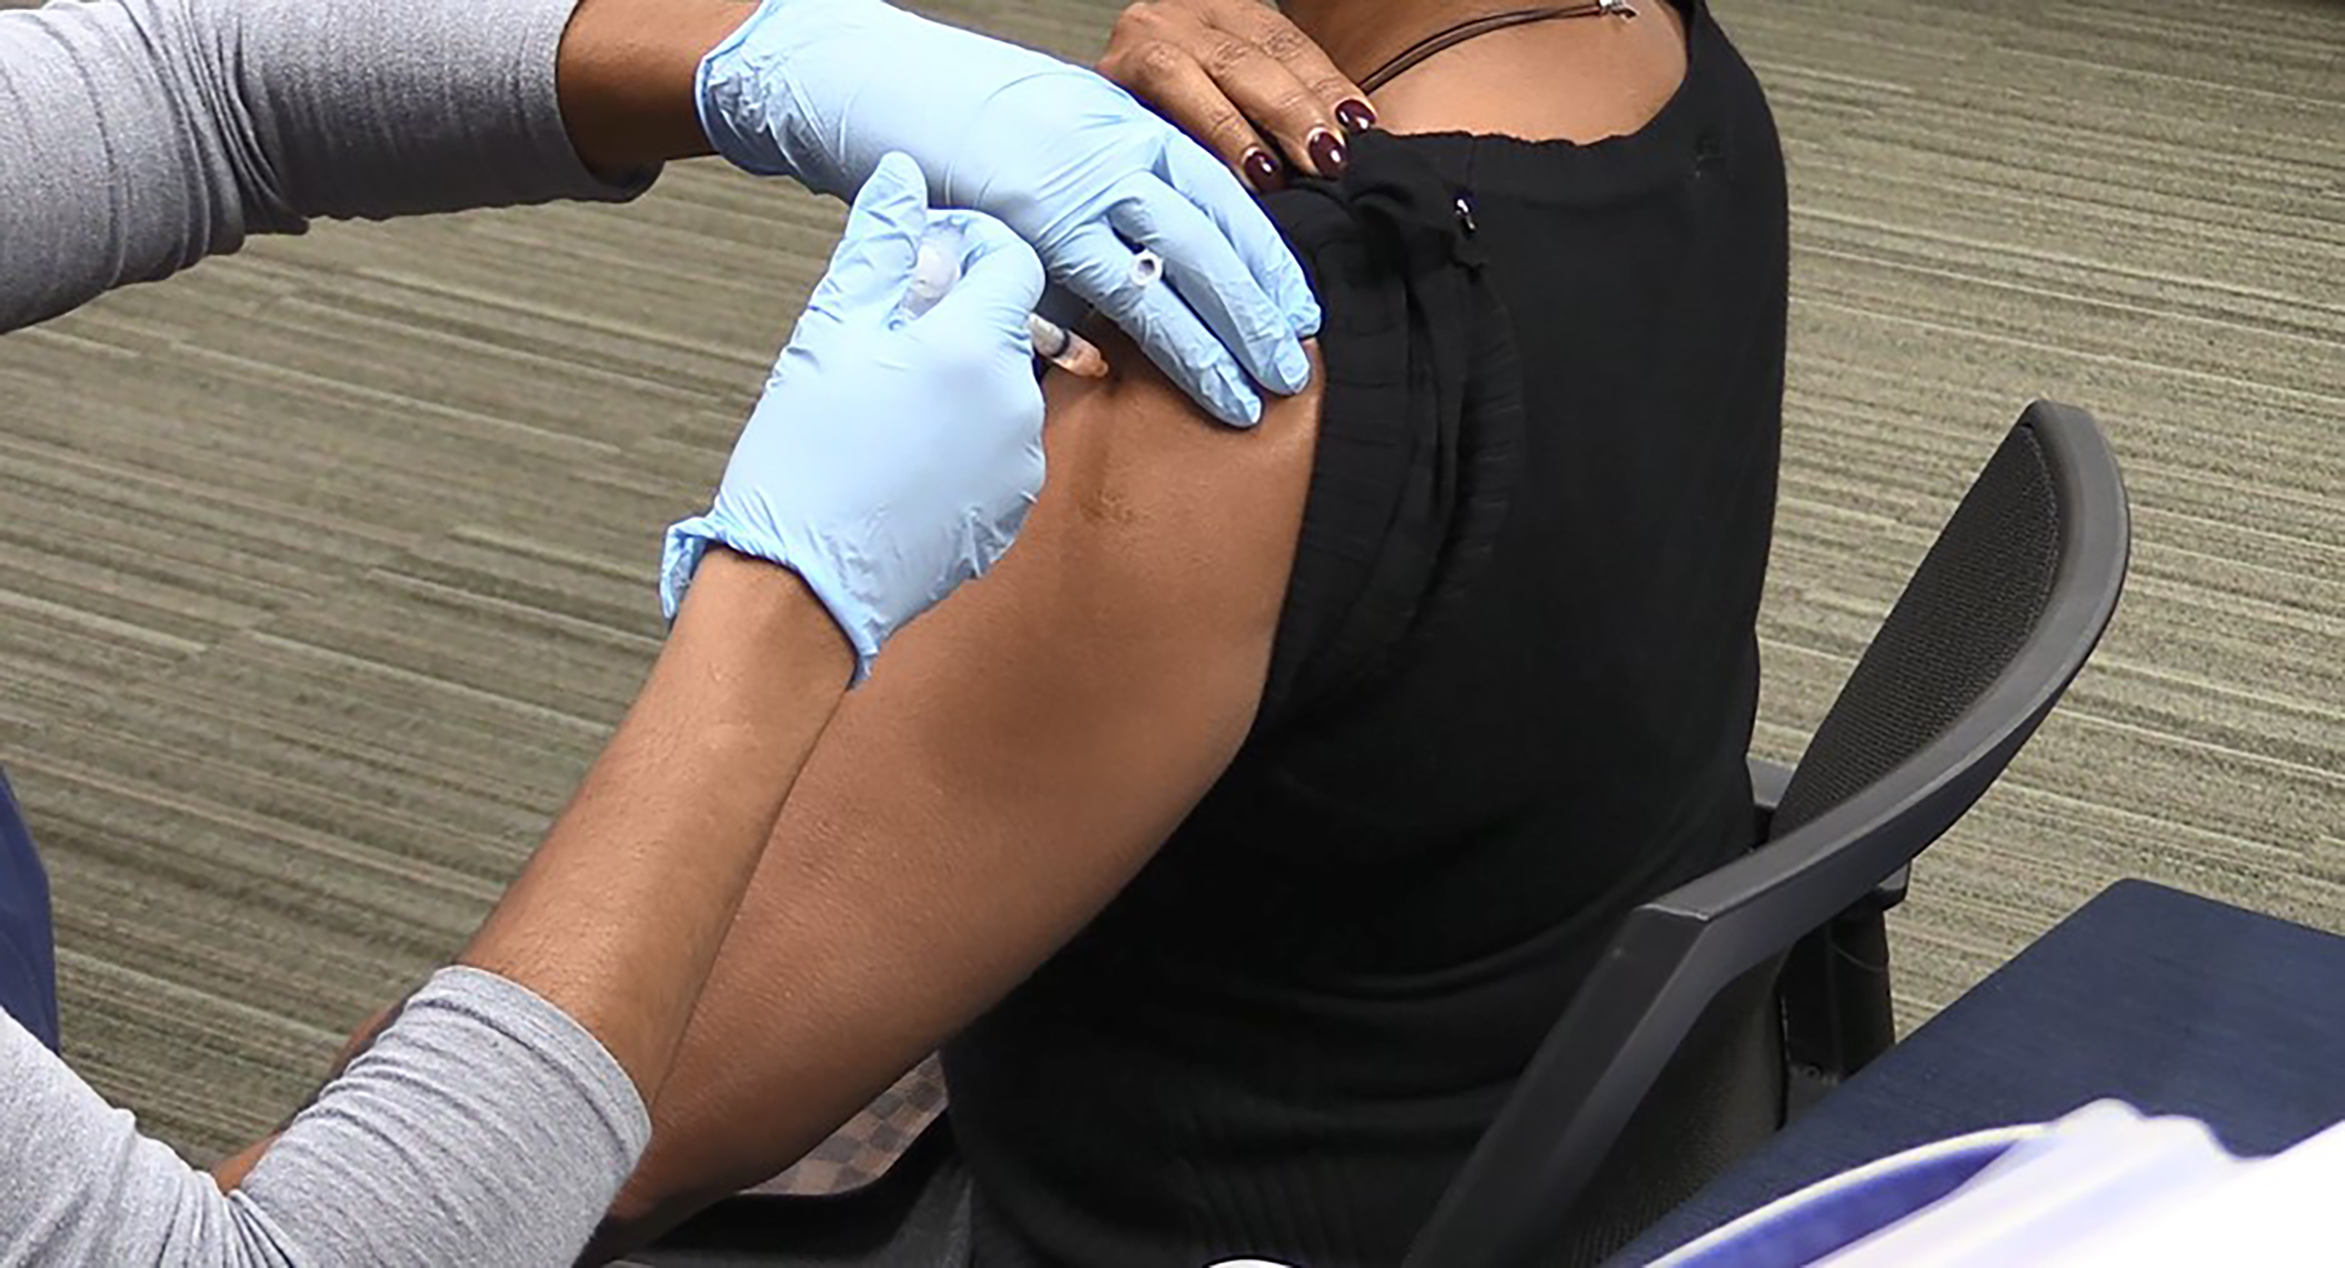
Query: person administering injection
<point x="891" y="458"/>
<point x="138" y="137"/>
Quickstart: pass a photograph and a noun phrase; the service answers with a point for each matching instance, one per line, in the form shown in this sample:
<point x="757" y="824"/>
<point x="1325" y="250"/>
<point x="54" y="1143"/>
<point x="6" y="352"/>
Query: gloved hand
<point x="891" y="457"/>
<point x="819" y="89"/>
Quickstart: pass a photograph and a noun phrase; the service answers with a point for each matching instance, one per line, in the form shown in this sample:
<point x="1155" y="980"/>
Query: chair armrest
<point x="1769" y="779"/>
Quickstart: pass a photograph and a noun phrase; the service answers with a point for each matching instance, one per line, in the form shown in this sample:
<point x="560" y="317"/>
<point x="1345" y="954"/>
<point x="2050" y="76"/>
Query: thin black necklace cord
<point x="1450" y="37"/>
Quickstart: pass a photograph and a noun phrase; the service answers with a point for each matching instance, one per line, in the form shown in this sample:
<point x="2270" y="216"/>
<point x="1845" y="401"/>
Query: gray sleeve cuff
<point x="594" y="1074"/>
<point x="483" y="1127"/>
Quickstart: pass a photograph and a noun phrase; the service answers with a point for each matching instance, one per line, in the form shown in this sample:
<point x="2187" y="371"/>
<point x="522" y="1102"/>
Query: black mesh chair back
<point x="1959" y="624"/>
<point x="1970" y="608"/>
<point x="1673" y="1035"/>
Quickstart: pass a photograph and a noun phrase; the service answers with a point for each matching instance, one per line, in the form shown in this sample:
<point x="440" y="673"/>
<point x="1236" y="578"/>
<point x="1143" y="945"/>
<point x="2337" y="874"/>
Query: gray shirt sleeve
<point x="483" y="1127"/>
<point x="139" y="136"/>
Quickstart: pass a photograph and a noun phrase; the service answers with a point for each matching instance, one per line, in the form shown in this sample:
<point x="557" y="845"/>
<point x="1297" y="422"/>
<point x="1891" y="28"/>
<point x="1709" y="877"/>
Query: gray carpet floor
<point x="324" y="569"/>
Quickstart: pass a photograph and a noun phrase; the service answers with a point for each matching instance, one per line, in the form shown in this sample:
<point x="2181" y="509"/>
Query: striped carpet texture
<point x="324" y="570"/>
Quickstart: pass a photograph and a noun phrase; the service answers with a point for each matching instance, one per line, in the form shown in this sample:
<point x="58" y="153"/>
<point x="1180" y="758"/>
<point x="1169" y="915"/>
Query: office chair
<point x="1680" y="1035"/>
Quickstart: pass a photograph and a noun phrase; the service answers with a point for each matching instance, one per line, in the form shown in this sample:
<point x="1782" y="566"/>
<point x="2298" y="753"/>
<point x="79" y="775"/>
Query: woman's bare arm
<point x="1022" y="752"/>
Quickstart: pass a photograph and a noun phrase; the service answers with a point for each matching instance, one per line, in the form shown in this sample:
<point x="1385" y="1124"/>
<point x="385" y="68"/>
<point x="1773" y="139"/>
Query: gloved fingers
<point x="1201" y="263"/>
<point x="1001" y="280"/>
<point x="872" y="267"/>
<point x="1097" y="265"/>
<point x="1194" y="175"/>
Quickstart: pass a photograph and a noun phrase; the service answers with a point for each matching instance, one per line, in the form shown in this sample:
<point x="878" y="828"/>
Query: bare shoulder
<point x="1152" y="503"/>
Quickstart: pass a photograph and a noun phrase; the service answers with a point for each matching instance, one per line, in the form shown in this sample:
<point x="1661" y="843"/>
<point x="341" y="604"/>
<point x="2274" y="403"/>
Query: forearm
<point x="618" y="917"/>
<point x="139" y="136"/>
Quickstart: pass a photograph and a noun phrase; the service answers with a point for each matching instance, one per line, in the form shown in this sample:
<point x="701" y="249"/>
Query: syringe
<point x="938" y="268"/>
<point x="1065" y="349"/>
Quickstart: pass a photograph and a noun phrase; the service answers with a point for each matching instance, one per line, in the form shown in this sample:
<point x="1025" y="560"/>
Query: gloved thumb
<point x="872" y="266"/>
<point x="1001" y="279"/>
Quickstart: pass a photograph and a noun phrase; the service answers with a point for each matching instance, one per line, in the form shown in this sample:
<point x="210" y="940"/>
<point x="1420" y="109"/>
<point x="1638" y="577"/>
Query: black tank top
<point x="1512" y="690"/>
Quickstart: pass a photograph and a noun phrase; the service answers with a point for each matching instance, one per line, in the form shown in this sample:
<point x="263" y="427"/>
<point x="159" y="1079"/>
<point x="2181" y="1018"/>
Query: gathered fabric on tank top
<point x="1511" y="694"/>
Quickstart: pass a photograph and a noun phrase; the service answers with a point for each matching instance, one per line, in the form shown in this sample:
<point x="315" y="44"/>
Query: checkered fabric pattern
<point x="864" y="1149"/>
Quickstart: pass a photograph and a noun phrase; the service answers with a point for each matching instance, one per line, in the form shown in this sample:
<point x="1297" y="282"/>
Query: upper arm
<point x="1016" y="756"/>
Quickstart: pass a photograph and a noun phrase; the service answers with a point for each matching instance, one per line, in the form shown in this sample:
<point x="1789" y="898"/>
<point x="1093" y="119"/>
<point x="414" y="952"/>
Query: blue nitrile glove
<point x="819" y="89"/>
<point x="891" y="458"/>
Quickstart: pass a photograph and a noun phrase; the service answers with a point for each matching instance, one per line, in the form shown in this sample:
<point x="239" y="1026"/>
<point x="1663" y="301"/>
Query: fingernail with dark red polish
<point x="1262" y="171"/>
<point x="1327" y="153"/>
<point x="1355" y="116"/>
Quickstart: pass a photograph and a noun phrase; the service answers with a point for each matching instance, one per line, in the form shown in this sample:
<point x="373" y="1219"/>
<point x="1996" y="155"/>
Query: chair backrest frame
<point x="1672" y="956"/>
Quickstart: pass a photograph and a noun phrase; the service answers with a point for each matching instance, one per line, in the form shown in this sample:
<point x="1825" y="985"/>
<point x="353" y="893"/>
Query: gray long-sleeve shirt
<point x="137" y="137"/>
<point x="483" y="1127"/>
